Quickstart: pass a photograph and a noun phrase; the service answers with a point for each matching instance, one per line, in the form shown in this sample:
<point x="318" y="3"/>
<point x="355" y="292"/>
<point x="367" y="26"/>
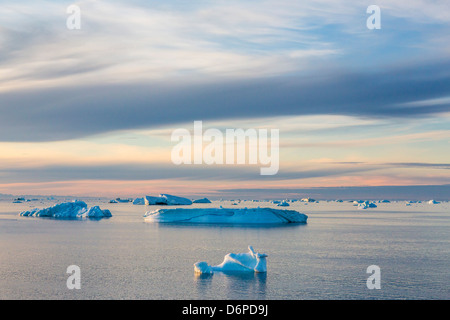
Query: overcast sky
<point x="91" y="111"/>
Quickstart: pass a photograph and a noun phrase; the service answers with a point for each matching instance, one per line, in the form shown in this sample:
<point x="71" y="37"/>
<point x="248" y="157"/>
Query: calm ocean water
<point x="125" y="258"/>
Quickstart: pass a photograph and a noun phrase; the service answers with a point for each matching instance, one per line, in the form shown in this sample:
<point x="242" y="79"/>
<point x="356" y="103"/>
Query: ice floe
<point x="226" y="216"/>
<point x="69" y="210"/>
<point x="236" y="262"/>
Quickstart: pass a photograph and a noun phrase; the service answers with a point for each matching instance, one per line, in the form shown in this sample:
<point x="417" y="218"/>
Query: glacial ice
<point x="236" y="262"/>
<point x="166" y="199"/>
<point x="225" y="216"/>
<point x="366" y="205"/>
<point x="69" y="210"/>
<point x="204" y="200"/>
<point x="139" y="201"/>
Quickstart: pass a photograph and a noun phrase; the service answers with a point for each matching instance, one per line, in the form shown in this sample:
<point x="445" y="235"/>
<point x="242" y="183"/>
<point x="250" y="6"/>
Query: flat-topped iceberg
<point x="69" y="210"/>
<point x="283" y="204"/>
<point x="166" y="199"/>
<point x="225" y="216"/>
<point x="204" y="200"/>
<point x="236" y="262"/>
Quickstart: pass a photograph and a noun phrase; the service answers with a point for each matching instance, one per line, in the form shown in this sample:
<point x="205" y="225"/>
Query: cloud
<point x="144" y="172"/>
<point x="67" y="113"/>
<point x="138" y="65"/>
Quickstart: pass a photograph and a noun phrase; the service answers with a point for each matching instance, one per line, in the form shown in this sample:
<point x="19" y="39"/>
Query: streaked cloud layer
<point x="99" y="103"/>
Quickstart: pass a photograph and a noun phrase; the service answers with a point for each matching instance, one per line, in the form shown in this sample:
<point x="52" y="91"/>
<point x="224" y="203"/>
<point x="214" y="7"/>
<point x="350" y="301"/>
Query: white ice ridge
<point x="224" y="215"/>
<point x="69" y="210"/>
<point x="236" y="262"/>
<point x="166" y="199"/>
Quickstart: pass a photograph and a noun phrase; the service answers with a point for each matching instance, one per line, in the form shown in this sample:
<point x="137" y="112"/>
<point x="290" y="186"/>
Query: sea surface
<point x="123" y="257"/>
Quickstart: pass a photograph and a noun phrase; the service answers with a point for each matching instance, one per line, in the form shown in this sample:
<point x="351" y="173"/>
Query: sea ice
<point x="236" y="262"/>
<point x="225" y="215"/>
<point x="68" y="210"/>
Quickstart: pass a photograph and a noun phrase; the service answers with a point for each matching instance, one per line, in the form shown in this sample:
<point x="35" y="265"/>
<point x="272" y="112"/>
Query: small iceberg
<point x="112" y="201"/>
<point x="166" y="199"/>
<point x="225" y="216"/>
<point x="366" y="205"/>
<point x="69" y="210"/>
<point x="236" y="262"/>
<point x="139" y="202"/>
<point x="433" y="202"/>
<point x="204" y="200"/>
<point x="283" y="204"/>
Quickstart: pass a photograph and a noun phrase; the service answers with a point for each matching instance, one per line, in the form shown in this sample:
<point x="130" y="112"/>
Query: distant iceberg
<point x="226" y="216"/>
<point x="139" y="201"/>
<point x="236" y="262"/>
<point x="69" y="210"/>
<point x="433" y="202"/>
<point x="283" y="204"/>
<point x="166" y="199"/>
<point x="204" y="200"/>
<point x="366" y="205"/>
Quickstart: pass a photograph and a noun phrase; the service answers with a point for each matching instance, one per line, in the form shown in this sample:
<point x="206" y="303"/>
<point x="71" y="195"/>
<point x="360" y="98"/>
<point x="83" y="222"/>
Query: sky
<point x="91" y="111"/>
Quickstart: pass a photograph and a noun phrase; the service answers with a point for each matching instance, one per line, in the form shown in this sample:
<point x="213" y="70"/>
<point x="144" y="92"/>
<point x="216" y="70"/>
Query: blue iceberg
<point x="236" y="262"/>
<point x="225" y="216"/>
<point x="69" y="210"/>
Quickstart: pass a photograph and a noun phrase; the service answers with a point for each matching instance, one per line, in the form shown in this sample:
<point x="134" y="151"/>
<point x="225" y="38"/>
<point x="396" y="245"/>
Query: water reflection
<point x="231" y="285"/>
<point x="255" y="226"/>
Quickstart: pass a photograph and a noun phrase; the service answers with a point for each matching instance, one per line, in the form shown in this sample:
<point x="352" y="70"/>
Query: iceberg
<point x="68" y="210"/>
<point x="366" y="205"/>
<point x="139" y="201"/>
<point x="166" y="199"/>
<point x="204" y="200"/>
<point x="236" y="262"/>
<point x="283" y="204"/>
<point x="433" y="202"/>
<point x="225" y="216"/>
